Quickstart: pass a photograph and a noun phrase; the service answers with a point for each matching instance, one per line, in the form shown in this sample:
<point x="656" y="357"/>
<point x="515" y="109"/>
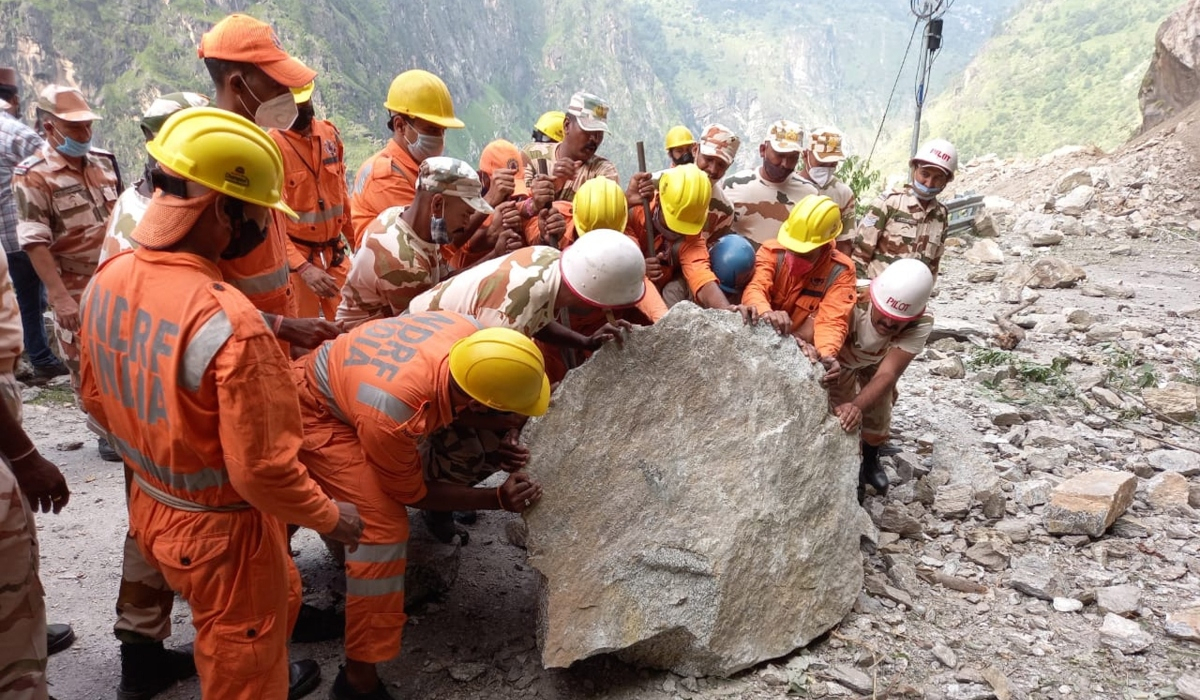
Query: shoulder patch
<point x="869" y="220"/>
<point x="24" y="166"/>
<point x="247" y="321"/>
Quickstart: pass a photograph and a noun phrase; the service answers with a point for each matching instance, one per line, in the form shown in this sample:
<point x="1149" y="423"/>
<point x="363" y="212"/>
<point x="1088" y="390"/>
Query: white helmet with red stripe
<point x="902" y="290"/>
<point x="939" y="153"/>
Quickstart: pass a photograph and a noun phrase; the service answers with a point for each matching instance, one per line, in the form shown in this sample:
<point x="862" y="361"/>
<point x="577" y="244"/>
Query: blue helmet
<point x="732" y="259"/>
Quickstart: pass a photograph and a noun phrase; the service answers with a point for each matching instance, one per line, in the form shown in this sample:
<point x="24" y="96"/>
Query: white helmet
<point x="605" y="268"/>
<point x="939" y="153"/>
<point x="902" y="290"/>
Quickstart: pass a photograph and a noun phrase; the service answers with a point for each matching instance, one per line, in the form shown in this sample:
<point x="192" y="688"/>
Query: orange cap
<point x="169" y="218"/>
<point x="245" y="39"/>
<point x="503" y="154"/>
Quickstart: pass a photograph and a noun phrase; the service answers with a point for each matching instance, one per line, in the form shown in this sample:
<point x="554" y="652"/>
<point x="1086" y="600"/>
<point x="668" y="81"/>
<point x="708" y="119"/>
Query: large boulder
<point x="699" y="511"/>
<point x="1172" y="82"/>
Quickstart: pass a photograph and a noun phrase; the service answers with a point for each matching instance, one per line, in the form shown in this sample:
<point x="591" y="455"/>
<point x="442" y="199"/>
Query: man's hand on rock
<point x="519" y="492"/>
<point x="849" y="415"/>
<point x="833" y="369"/>
<point x="613" y="331"/>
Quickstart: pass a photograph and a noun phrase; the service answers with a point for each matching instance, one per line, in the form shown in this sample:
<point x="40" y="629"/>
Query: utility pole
<point x="931" y="11"/>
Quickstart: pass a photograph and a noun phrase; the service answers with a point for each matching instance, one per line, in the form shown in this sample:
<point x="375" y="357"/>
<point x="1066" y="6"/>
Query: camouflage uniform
<point x="591" y="114"/>
<point x="515" y="291"/>
<point x="66" y="209"/>
<point x="10" y="340"/>
<point x="130" y="208"/>
<point x="391" y="266"/>
<point x="898" y="226"/>
<point x="761" y="207"/>
<point x="859" y="359"/>
<point x="717" y="141"/>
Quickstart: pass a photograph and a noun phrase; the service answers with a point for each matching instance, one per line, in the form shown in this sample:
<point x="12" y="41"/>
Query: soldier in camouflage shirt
<point x="908" y="222"/>
<point x="763" y="197"/>
<point x="400" y="254"/>
<point x="714" y="153"/>
<point x="64" y="195"/>
<point x="574" y="161"/>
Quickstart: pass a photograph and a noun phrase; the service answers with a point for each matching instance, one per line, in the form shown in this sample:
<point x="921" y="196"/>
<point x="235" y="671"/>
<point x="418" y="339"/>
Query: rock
<point x="1111" y="291"/>
<point x="1044" y="238"/>
<point x="1188" y="687"/>
<point x="1067" y="605"/>
<point x="1179" y="461"/>
<point x="953" y="500"/>
<point x="467" y="672"/>
<point x="1103" y="333"/>
<point x="1075" y="202"/>
<point x="1107" y="397"/>
<point x="1036" y="577"/>
<point x="1087" y="504"/>
<point x="1184" y="624"/>
<point x="1168" y="490"/>
<point x="985" y="250"/>
<point x="1077" y="177"/>
<point x="516" y="532"/>
<point x="851" y="678"/>
<point x="1124" y="600"/>
<point x="1032" y="493"/>
<point x="896" y="518"/>
<point x="1055" y="273"/>
<point x="1175" y="401"/>
<point x="432" y="565"/>
<point x="674" y="572"/>
<point x="1172" y="82"/>
<point x="945" y="655"/>
<point x="950" y="368"/>
<point x="986" y="555"/>
<point x="977" y="276"/>
<point x="1194" y="495"/>
<point x="1017" y="531"/>
<point x="1126" y="636"/>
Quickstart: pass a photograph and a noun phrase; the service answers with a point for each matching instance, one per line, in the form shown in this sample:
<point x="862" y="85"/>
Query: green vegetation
<point x="865" y="182"/>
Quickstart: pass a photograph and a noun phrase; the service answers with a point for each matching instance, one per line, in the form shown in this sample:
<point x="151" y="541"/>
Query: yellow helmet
<point x="551" y="124"/>
<point x="421" y="94"/>
<point x="684" y="193"/>
<point x="224" y="152"/>
<point x="501" y="369"/>
<point x="814" y="221"/>
<point x="679" y="136"/>
<point x="600" y="203"/>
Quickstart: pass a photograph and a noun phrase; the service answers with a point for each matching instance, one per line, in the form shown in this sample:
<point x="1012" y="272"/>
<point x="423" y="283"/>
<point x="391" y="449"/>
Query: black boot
<point x="871" y="473"/>
<point x="58" y="638"/>
<point x="343" y="691"/>
<point x="303" y="678"/>
<point x="314" y="624"/>
<point x="441" y="525"/>
<point x="107" y="453"/>
<point x="149" y="669"/>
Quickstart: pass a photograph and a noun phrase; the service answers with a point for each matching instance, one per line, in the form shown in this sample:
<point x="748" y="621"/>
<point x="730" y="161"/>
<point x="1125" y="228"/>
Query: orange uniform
<point x="193" y="391"/>
<point x="315" y="187"/>
<point x="386" y="179"/>
<point x="827" y="291"/>
<point x="367" y="399"/>
<point x="687" y="255"/>
<point x="263" y="275"/>
<point x="533" y="235"/>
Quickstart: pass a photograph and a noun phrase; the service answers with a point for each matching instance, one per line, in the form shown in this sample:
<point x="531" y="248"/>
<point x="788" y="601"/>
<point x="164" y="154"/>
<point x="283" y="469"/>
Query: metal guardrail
<point x="962" y="213"/>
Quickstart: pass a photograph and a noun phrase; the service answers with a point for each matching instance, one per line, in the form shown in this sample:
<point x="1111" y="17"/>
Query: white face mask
<point x="276" y="113"/>
<point x="822" y="175"/>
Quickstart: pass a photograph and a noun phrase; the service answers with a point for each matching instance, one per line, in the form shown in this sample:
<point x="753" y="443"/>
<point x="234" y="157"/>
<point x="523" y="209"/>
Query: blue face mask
<point x="924" y="192"/>
<point x="72" y="148"/>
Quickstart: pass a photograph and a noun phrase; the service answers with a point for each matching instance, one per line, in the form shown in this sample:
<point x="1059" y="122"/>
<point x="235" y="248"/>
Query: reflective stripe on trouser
<point x="68" y="342"/>
<point x="235" y="572"/>
<point x="375" y="572"/>
<point x="144" y="600"/>
<point x="308" y="304"/>
<point x="22" y="601"/>
<point x="458" y="454"/>
<point x="876" y="419"/>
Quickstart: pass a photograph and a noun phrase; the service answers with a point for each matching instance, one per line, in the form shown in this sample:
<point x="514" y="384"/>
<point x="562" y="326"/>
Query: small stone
<point x="1121" y="600"/>
<point x="851" y="678"/>
<point x="1179" y="461"/>
<point x="1087" y="504"/>
<point x="773" y="675"/>
<point x="1103" y="333"/>
<point x="945" y="655"/>
<point x="953" y="500"/>
<point x="1184" y="624"/>
<point x="1175" y="401"/>
<point x="1075" y="202"/>
<point x="516" y="532"/>
<point x="977" y="276"/>
<point x="1055" y="273"/>
<point x="1130" y="528"/>
<point x="70" y="446"/>
<point x="1168" y="490"/>
<point x="1126" y="636"/>
<point x="1036" y="577"/>
<point x="1107" y="397"/>
<point x="950" y="368"/>
<point x="467" y="672"/>
<point x="1007" y="419"/>
<point x="986" y="251"/>
<point x="1039" y="239"/>
<point x="1077" y="177"/>
<point x="896" y="518"/>
<point x="986" y="555"/>
<point x="1032" y="493"/>
<point x="1067" y="605"/>
<point x="1017" y="531"/>
<point x="1121" y="250"/>
<point x="1188" y="687"/>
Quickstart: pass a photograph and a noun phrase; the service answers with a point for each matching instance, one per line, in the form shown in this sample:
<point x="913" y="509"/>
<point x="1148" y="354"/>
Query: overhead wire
<point x="899" y="73"/>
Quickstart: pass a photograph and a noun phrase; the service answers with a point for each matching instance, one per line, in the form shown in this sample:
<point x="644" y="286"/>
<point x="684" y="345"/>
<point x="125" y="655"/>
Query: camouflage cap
<point x="455" y="178"/>
<point x="826" y="145"/>
<point x="720" y="142"/>
<point x="785" y="137"/>
<point x="590" y="111"/>
<point x="66" y="103"/>
<point x="166" y="105"/>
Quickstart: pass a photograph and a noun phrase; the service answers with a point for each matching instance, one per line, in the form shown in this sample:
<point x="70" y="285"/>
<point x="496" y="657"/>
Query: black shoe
<point x="315" y="624"/>
<point x="107" y="453"/>
<point x="871" y="472"/>
<point x="303" y="678"/>
<point x="48" y="372"/>
<point x="149" y="669"/>
<point x="441" y="525"/>
<point x="466" y="517"/>
<point x="58" y="638"/>
<point x="342" y="690"/>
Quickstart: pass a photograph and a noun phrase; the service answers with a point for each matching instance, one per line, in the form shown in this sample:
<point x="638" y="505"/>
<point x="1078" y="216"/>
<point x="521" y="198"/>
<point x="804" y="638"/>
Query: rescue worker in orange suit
<point x="183" y="375"/>
<point x="804" y="286"/>
<point x="316" y="191"/>
<point x="419" y="112"/>
<point x="680" y="267"/>
<point x="368" y="398"/>
<point x="252" y="76"/>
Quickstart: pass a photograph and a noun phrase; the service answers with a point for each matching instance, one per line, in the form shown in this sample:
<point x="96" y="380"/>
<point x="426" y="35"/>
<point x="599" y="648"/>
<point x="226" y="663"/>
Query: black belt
<point x="339" y="249"/>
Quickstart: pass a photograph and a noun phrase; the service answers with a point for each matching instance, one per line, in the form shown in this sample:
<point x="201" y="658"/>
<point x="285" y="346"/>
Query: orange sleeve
<point x="531" y="233"/>
<point x="693" y="258"/>
<point x="758" y="291"/>
<point x="635" y="227"/>
<point x="832" y="322"/>
<point x="295" y="258"/>
<point x="652" y="304"/>
<point x="260" y="431"/>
